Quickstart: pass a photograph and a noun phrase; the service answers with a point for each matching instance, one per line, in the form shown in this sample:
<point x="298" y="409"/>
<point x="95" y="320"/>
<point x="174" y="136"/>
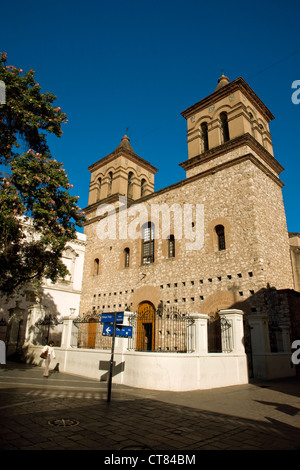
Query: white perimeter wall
<point x="155" y="371"/>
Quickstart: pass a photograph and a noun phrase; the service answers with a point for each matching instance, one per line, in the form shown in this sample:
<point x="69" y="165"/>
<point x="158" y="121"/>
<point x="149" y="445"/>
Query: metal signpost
<point x="110" y="328"/>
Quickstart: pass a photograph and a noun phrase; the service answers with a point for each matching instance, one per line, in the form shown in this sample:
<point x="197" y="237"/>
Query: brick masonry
<point x="237" y="184"/>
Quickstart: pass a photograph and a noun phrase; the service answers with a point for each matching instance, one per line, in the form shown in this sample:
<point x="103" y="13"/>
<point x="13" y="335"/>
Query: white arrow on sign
<point x="108" y="330"/>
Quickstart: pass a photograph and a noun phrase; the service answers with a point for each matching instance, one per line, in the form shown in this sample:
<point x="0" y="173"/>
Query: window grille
<point x="220" y="231"/>
<point x="96" y="267"/>
<point x="127" y="257"/>
<point x="148" y="243"/>
<point x="171" y="247"/>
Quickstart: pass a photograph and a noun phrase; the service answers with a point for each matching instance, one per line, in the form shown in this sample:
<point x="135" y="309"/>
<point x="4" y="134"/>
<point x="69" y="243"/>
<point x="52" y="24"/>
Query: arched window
<point x="204" y="133"/>
<point x="96" y="266"/>
<point x="252" y="124"/>
<point x="171" y="246"/>
<point x="110" y="179"/>
<point x="126" y="257"/>
<point x="148" y="243"/>
<point x="224" y="127"/>
<point x="99" y="181"/>
<point x="143" y="187"/>
<point x="220" y="231"/>
<point x="130" y="185"/>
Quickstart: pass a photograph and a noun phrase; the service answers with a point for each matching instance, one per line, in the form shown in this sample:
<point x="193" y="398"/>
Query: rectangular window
<point x="148" y="243"/>
<point x="171" y="246"/>
<point x="127" y="257"/>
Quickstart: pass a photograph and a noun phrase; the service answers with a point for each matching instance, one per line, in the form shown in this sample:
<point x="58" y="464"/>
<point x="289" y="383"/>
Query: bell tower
<point x="230" y="154"/>
<point x="121" y="173"/>
<point x="227" y="118"/>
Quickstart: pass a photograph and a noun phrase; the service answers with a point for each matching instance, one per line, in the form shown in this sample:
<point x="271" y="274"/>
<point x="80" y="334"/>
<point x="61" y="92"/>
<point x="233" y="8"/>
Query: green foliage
<point x="38" y="216"/>
<point x="28" y="114"/>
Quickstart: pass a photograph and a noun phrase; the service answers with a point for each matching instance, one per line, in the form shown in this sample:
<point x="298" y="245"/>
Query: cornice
<point x="108" y="200"/>
<point x="237" y="84"/>
<point x="111" y="200"/>
<point x="122" y="153"/>
<point x="199" y="176"/>
<point x="78" y="242"/>
<point x="245" y="139"/>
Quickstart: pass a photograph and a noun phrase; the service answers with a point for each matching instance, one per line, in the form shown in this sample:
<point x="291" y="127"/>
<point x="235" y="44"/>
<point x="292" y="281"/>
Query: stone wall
<point x="240" y="197"/>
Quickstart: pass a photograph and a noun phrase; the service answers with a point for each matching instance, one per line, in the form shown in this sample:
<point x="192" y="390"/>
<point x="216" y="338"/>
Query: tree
<point x="35" y="190"/>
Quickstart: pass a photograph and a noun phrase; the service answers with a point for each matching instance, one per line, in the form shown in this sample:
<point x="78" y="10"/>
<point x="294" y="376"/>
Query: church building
<point x="216" y="240"/>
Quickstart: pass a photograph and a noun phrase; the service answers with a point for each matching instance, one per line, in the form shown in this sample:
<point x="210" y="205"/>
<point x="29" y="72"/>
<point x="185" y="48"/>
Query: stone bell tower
<point x="231" y="111"/>
<point x="121" y="173"/>
<point x="229" y="142"/>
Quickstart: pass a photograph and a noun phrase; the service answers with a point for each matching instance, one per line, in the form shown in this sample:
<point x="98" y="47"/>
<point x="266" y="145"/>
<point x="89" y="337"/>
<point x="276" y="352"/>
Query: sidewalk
<point x="67" y="412"/>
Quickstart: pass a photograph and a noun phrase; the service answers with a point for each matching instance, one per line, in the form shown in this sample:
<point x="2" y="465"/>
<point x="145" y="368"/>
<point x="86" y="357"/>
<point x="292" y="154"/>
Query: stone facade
<point x="233" y="248"/>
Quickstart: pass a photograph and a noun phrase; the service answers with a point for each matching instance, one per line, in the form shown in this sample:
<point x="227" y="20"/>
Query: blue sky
<point x="138" y="64"/>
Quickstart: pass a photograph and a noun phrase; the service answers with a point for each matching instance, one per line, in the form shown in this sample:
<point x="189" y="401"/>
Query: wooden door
<point x="92" y="330"/>
<point x="145" y="331"/>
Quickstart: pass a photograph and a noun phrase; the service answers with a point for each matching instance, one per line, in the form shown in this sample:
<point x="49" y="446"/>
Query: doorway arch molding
<point x="145" y="294"/>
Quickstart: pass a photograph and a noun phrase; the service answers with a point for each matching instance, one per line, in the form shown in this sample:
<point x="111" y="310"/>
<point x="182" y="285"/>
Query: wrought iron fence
<point x="3" y="329"/>
<point x="219" y="331"/>
<point x="226" y="335"/>
<point x="87" y="332"/>
<point x="163" y="329"/>
<point x="48" y="328"/>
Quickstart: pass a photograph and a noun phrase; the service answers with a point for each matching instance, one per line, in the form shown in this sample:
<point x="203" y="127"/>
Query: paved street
<point x="67" y="412"/>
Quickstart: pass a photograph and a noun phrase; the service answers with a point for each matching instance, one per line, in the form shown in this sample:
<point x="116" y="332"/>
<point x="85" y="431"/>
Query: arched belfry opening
<point x="123" y="173"/>
<point x="223" y="118"/>
<point x="130" y="185"/>
<point x="224" y="127"/>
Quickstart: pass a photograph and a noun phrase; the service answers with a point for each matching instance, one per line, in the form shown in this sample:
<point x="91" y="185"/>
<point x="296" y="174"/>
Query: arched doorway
<point x="145" y="329"/>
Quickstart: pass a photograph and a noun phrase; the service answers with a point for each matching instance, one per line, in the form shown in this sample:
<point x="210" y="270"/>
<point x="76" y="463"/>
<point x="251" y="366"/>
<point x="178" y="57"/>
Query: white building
<point x="30" y="312"/>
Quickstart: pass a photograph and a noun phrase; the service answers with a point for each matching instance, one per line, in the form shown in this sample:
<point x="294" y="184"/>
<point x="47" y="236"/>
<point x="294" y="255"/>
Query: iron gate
<point x="219" y="333"/>
<point x="88" y="332"/>
<point x="163" y="329"/>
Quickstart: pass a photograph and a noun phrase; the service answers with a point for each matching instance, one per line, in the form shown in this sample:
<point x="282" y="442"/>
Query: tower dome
<point x="223" y="81"/>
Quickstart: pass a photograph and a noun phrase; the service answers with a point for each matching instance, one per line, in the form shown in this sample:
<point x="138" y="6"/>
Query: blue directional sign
<point x="109" y="317"/>
<point x="122" y="331"/>
<point x="108" y="330"/>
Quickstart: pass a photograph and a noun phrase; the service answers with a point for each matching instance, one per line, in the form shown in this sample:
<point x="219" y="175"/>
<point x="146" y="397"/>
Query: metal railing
<point x="48" y="328"/>
<point x="163" y="329"/>
<point x="219" y="330"/>
<point x="87" y="332"/>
